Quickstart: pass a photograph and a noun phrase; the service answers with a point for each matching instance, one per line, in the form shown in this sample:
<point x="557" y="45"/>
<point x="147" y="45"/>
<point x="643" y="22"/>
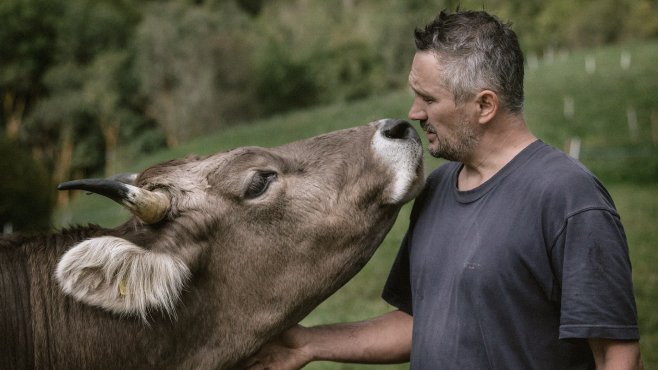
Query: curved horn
<point x="148" y="206"/>
<point x="125" y="177"/>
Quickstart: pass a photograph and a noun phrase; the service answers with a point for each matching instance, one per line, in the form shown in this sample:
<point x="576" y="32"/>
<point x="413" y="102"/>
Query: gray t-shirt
<point x="516" y="273"/>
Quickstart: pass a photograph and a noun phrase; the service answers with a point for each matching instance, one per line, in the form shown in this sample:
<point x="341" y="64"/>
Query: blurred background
<point x="91" y="88"/>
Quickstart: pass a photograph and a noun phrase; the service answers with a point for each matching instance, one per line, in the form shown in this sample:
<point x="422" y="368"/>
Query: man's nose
<point x="417" y="114"/>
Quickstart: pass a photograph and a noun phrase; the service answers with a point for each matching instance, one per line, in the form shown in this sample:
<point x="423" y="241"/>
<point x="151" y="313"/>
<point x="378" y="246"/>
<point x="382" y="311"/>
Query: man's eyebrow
<point x="419" y="93"/>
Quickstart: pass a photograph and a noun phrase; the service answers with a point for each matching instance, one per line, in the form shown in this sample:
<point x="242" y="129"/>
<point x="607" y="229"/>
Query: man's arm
<point x="616" y="354"/>
<point x="384" y="339"/>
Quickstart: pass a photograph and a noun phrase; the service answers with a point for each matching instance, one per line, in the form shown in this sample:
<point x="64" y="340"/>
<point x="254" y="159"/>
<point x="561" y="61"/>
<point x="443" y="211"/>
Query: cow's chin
<point x="411" y="186"/>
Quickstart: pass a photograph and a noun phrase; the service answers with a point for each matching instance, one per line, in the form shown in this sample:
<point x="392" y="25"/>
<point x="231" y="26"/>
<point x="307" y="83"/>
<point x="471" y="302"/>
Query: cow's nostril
<point x="396" y="129"/>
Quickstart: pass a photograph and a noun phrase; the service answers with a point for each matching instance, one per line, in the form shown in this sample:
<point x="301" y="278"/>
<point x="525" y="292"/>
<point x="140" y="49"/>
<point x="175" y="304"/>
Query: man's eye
<point x="259" y="184"/>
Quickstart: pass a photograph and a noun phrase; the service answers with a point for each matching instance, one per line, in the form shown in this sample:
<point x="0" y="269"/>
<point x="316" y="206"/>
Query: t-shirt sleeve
<point x="594" y="272"/>
<point x="397" y="290"/>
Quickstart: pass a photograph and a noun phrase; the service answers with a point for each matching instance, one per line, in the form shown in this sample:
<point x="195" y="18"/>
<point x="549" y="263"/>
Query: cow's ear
<point x="122" y="277"/>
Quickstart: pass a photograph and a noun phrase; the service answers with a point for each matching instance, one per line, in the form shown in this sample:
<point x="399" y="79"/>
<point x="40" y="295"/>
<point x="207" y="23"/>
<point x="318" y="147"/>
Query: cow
<point x="222" y="253"/>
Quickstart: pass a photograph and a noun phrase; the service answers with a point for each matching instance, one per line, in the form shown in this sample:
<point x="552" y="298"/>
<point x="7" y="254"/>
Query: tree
<point x="102" y="93"/>
<point x="27" y="43"/>
<point x="642" y="19"/>
<point x="194" y="65"/>
<point x="82" y="89"/>
<point x="59" y="122"/>
<point x="25" y="191"/>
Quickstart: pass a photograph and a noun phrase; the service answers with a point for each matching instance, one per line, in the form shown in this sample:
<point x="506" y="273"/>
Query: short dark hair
<point x="477" y="51"/>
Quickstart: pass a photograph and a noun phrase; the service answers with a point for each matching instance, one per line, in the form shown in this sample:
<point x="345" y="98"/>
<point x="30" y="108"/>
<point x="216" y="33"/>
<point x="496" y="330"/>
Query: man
<point x="515" y="257"/>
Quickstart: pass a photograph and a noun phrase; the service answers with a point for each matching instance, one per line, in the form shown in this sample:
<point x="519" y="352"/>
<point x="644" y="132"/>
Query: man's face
<point x="451" y="130"/>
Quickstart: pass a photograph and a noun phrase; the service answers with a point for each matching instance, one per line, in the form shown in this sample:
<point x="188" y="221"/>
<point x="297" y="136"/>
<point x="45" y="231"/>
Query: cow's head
<point x="294" y="221"/>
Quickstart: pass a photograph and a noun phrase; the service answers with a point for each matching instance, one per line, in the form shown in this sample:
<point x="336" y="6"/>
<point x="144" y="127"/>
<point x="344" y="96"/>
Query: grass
<point x="613" y="148"/>
<point x="638" y="207"/>
<point x="625" y="158"/>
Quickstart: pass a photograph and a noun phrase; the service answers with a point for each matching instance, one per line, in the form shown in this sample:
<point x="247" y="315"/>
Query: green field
<point x="612" y="110"/>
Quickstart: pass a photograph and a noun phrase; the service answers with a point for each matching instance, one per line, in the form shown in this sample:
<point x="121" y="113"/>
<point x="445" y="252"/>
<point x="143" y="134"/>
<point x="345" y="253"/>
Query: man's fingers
<point x="256" y="365"/>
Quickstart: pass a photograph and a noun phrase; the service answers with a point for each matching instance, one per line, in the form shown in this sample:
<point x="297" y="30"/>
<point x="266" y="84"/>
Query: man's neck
<point x="499" y="144"/>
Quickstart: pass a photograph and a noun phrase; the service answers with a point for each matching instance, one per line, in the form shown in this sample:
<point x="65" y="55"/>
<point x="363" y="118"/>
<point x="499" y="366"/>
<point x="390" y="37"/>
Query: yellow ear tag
<point x="122" y="287"/>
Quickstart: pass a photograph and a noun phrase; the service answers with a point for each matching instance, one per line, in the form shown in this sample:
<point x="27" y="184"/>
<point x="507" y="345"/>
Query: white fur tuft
<point x="122" y="277"/>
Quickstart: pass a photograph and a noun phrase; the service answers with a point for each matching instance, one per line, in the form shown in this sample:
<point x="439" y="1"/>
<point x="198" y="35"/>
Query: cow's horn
<point x="148" y="206"/>
<point x="125" y="177"/>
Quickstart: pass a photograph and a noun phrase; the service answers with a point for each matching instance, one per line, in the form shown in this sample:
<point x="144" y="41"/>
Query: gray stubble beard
<point x="467" y="138"/>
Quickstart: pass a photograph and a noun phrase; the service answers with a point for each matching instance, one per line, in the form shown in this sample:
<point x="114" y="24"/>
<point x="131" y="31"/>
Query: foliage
<point x="82" y="98"/>
<point x="24" y="206"/>
<point x="283" y="84"/>
<point x="27" y="44"/>
<point x="193" y="64"/>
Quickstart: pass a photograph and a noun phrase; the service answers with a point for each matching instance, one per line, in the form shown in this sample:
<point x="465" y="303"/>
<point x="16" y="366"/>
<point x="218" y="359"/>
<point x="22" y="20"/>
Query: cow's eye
<point x="259" y="184"/>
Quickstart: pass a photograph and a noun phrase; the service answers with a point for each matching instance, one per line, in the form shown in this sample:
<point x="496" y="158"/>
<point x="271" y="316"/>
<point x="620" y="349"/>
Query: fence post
<point x="631" y="119"/>
<point x="590" y="64"/>
<point x="625" y="60"/>
<point x="569" y="107"/>
<point x="533" y="61"/>
<point x="574" y="147"/>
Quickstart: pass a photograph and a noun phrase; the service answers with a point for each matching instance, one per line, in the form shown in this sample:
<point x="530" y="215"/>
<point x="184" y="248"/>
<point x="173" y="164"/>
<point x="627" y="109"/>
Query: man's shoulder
<point x="550" y="166"/>
<point x="557" y="177"/>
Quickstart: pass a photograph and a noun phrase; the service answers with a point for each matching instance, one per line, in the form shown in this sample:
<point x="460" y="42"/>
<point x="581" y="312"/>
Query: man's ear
<point x="487" y="105"/>
<point x="121" y="277"/>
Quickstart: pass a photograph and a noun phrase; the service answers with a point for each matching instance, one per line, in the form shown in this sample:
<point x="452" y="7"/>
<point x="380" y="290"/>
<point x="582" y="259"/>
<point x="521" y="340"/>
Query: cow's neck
<point x="16" y="351"/>
<point x="280" y="290"/>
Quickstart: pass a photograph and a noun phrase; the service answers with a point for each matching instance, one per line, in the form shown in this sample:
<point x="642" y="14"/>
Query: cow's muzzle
<point x="398" y="145"/>
<point x="399" y="129"/>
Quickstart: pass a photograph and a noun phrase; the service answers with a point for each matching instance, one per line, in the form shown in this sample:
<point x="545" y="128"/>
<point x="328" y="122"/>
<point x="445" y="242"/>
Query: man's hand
<point x="382" y="340"/>
<point x="285" y="352"/>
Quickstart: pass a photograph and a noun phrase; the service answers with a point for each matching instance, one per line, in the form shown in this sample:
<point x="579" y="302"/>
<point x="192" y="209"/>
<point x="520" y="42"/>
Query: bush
<point x="347" y="71"/>
<point x="282" y="83"/>
<point x="26" y="194"/>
